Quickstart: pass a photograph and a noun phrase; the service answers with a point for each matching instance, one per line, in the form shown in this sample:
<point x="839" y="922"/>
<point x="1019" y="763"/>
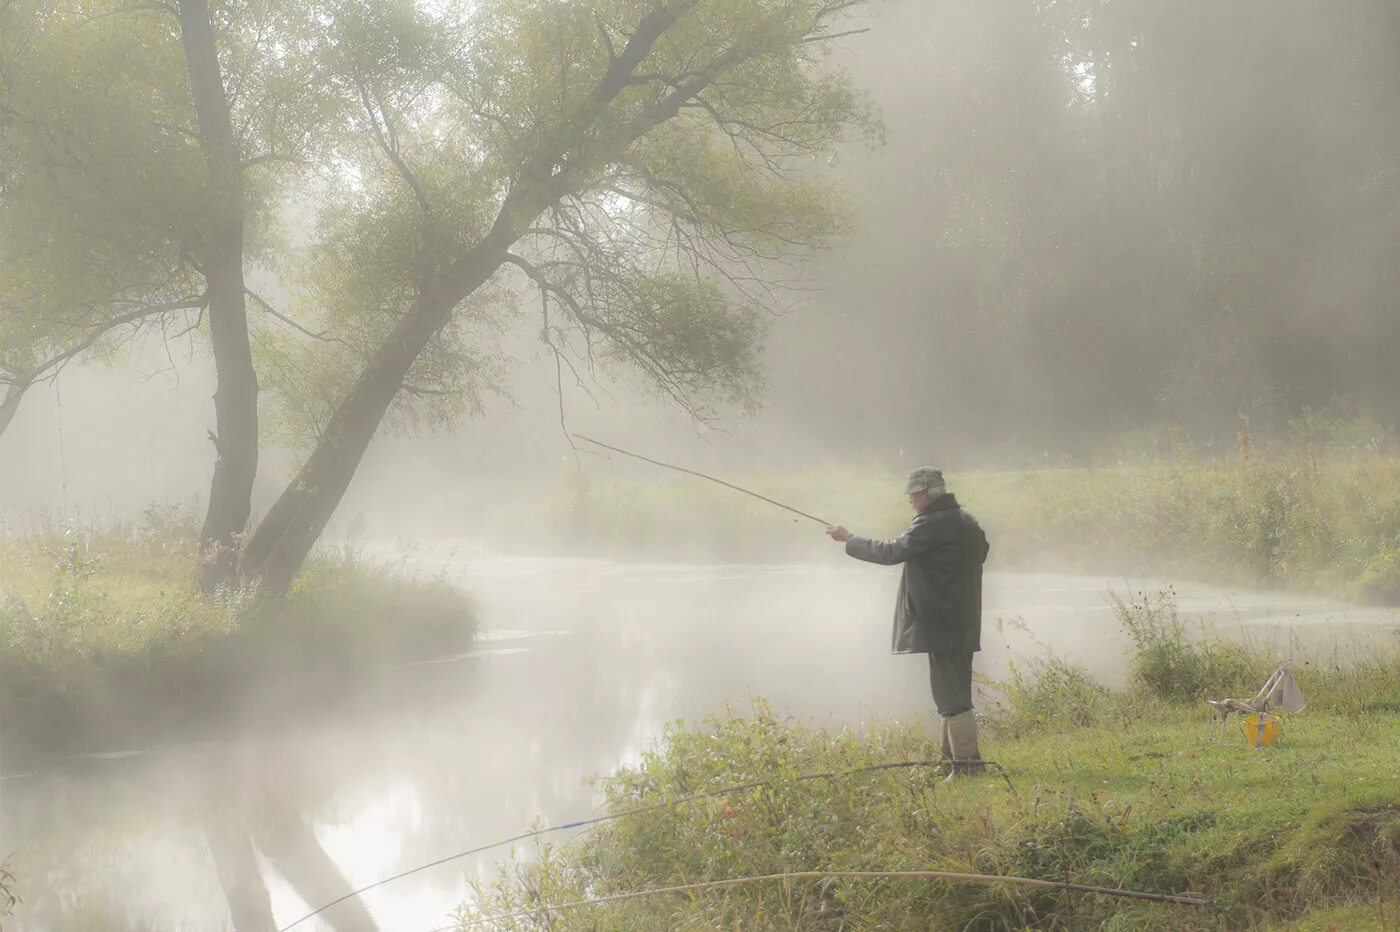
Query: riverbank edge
<point x="1132" y="789"/>
<point x="105" y="641"/>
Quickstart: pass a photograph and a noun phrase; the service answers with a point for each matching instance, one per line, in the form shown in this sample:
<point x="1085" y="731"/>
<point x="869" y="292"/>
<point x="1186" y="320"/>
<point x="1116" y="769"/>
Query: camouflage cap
<point x="925" y="479"/>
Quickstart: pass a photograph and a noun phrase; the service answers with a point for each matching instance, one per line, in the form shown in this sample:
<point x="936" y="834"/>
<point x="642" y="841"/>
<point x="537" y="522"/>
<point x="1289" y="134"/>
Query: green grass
<point x="105" y="632"/>
<point x="1125" y="789"/>
<point x="1285" y="519"/>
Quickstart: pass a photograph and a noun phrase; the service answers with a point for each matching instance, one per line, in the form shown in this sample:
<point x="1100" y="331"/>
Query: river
<point x="580" y="666"/>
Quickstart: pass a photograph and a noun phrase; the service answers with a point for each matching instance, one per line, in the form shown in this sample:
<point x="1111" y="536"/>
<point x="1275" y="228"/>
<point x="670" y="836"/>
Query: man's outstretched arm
<point x="885" y="552"/>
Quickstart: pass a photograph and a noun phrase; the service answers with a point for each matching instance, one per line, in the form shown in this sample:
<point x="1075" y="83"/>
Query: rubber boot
<point x="962" y="735"/>
<point x="945" y="758"/>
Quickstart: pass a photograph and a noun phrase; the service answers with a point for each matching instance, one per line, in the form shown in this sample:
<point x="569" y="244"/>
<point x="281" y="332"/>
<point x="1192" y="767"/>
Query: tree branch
<point x="9" y="404"/>
<point x="273" y="312"/>
<point x="270" y="157"/>
<point x="145" y="311"/>
<point x="670" y="380"/>
<point x="133" y="8"/>
<point x="387" y="140"/>
<point x="607" y="37"/>
<point x="835" y="35"/>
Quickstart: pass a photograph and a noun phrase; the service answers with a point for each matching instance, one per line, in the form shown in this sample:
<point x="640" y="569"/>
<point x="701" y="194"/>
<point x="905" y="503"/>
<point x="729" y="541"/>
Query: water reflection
<point x="585" y="663"/>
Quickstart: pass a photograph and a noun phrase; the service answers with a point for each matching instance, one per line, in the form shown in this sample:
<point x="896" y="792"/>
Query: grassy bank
<point x="1120" y="789"/>
<point x="1286" y="519"/>
<point x="103" y="633"/>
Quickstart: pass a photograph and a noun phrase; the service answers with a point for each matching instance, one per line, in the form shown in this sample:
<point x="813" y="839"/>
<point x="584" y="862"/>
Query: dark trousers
<point x="950" y="675"/>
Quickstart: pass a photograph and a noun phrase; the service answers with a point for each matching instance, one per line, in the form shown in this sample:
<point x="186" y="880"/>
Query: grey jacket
<point x="939" y="606"/>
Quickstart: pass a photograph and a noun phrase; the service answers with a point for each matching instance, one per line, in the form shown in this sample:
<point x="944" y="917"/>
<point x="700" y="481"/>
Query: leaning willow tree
<point x="644" y="175"/>
<point x="648" y="168"/>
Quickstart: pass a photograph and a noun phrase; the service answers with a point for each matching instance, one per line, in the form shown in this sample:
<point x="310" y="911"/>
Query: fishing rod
<point x="640" y="810"/>
<point x="701" y="475"/>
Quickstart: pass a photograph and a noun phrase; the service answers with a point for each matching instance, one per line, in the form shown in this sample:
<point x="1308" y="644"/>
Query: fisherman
<point x="938" y="610"/>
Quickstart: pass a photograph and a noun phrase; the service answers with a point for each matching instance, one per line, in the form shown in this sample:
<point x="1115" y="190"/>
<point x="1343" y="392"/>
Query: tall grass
<point x="1128" y="789"/>
<point x="1282" y="521"/>
<point x="8" y="898"/>
<point x="1169" y="662"/>
<point x="1290" y="518"/>
<point x="103" y="631"/>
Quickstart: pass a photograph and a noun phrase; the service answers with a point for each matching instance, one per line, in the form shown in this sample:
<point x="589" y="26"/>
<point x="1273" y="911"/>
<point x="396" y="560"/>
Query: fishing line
<point x="640" y="810"/>
<point x="62" y="459"/>
<point x="701" y="475"/>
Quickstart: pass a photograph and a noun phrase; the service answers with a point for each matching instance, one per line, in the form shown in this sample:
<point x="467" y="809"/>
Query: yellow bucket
<point x="1261" y="731"/>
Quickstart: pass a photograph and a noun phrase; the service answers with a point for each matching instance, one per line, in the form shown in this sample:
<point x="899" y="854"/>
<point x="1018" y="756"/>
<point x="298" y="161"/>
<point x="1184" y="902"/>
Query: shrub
<point x="1047" y="690"/>
<point x="1167" y="811"/>
<point x="1380" y="580"/>
<point x="8" y="898"/>
<point x="1168" y="664"/>
<point x="106" y="634"/>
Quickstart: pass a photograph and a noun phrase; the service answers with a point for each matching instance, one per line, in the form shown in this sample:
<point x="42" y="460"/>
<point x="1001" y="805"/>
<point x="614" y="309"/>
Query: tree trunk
<point x="279" y="546"/>
<point x="236" y="396"/>
<point x="13" y="395"/>
<point x="236" y="865"/>
<point x="290" y="843"/>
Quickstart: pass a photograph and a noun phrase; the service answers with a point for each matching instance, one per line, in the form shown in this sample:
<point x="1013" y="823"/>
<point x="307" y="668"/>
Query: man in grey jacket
<point x="938" y="610"/>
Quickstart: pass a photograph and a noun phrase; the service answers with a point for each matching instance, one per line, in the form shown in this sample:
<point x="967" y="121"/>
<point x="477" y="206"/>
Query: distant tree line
<point x="1098" y="214"/>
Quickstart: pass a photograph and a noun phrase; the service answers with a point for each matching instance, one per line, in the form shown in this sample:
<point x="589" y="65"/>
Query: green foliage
<point x="1140" y="795"/>
<point x="1048" y="690"/>
<point x="361" y="616"/>
<point x="97" y="198"/>
<point x="85" y="615"/>
<point x="1377" y="914"/>
<point x="107" y="206"/>
<point x="107" y="629"/>
<point x="1380" y="579"/>
<point x="654" y="234"/>
<point x="1340" y="427"/>
<point x="653" y="170"/>
<point x="670" y="317"/>
<point x="1168" y="662"/>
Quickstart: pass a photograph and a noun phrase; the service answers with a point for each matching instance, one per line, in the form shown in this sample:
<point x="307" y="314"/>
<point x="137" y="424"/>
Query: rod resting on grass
<point x="639" y="810"/>
<point x="1184" y="899"/>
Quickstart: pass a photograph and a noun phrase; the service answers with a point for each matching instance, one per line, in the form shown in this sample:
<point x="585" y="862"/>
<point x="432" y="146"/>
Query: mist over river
<point x="580" y="665"/>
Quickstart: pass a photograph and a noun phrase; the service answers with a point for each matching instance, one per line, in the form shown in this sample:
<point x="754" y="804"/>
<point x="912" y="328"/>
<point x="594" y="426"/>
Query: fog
<point x="584" y="664"/>
<point x="1087" y="224"/>
<point x="1080" y="223"/>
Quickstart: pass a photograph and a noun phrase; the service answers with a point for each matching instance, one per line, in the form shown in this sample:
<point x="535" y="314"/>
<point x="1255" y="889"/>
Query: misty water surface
<point x="580" y="666"/>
